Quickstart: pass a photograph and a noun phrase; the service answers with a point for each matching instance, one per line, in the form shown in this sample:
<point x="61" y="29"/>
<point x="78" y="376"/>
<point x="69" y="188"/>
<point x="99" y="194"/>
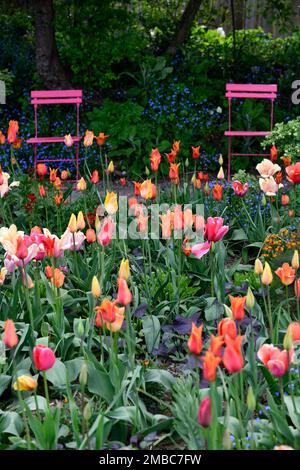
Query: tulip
<point x="111" y="167"/>
<point x="25" y="383"/>
<point x="49" y="272"/>
<point x="90" y="235"/>
<point x="65" y="174"/>
<point x="96" y="290"/>
<point x="122" y="181"/>
<point x="195" y="339"/>
<point x="95" y="177"/>
<point x="42" y="190"/>
<point x="124" y="271"/>
<point x="205" y="413"/>
<point x="210" y="365"/>
<point x="269" y="186"/>
<point x="232" y="358"/>
<point x="275" y="360"/>
<point x="10" y="338"/>
<point x="72" y="225"/>
<point x="283" y="447"/>
<point x="43" y="357"/>
<point x="137" y="188"/>
<point x="81" y="184"/>
<point x="273" y="153"/>
<point x="285" y="200"/>
<point x="227" y="327"/>
<point x="201" y="249"/>
<point x="291" y="213"/>
<point x="106" y="231"/>
<point x="88" y="138"/>
<point x="267" y="168"/>
<point x="237" y="305"/>
<point x="68" y="140"/>
<point x="22" y="248"/>
<point x="221" y="175"/>
<point x="57" y="183"/>
<point x="258" y="267"/>
<point x="214" y="229"/>
<point x="13" y="129"/>
<point x="216" y="343"/>
<point x="171" y="156"/>
<point x="148" y="190"/>
<point x="111" y="203"/>
<point x="239" y="188"/>
<point x="166" y="225"/>
<point x="267" y="276"/>
<point x="101" y="138"/>
<point x="124" y="296"/>
<point x="186" y="248"/>
<point x="2" y="138"/>
<point x="196" y="152"/>
<point x="155" y="159"/>
<point x="294" y="327"/>
<point x="58" y="278"/>
<point x="174" y="172"/>
<point x="119" y="319"/>
<point x="293" y="173"/>
<point x="53" y="174"/>
<point x="105" y="312"/>
<point x="41" y="169"/>
<point x="80" y="221"/>
<point x="3" y="273"/>
<point x="58" y="199"/>
<point x="295" y="260"/>
<point x="250" y="299"/>
<point x="286" y="274"/>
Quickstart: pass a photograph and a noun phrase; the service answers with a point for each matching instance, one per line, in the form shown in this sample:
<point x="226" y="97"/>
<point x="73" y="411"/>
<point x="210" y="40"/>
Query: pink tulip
<point x="214" y="229"/>
<point x="43" y="357"/>
<point x="239" y="188"/>
<point x="204" y="412"/>
<point x="106" y="232"/>
<point x="201" y="249"/>
<point x="274" y="359"/>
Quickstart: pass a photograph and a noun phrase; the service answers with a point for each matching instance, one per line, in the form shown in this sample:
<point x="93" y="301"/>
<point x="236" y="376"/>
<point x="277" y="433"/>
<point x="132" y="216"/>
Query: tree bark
<point x="184" y="26"/>
<point x="49" y="65"/>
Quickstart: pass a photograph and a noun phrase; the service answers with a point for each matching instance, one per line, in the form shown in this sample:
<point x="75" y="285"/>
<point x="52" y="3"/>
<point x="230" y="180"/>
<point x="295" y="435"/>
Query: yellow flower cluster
<point x="277" y="243"/>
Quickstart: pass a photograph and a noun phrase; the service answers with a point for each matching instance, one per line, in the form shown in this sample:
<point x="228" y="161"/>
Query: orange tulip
<point x="142" y="222"/>
<point x="237" y="305"/>
<point x="88" y="138"/>
<point x="42" y="190"/>
<point x="41" y="169"/>
<point x="216" y="343"/>
<point x="13" y="129"/>
<point x="171" y="156"/>
<point x="286" y="161"/>
<point x="137" y="188"/>
<point x="294" y="327"/>
<point x="106" y="312"/>
<point x="210" y="365"/>
<point x="176" y="146"/>
<point x="186" y="248"/>
<point x="217" y="192"/>
<point x="101" y="138"/>
<point x="286" y="274"/>
<point x="49" y="272"/>
<point x="57" y="183"/>
<point x="65" y="175"/>
<point x="2" y="138"/>
<point x="58" y="278"/>
<point x="174" y="173"/>
<point x="58" y="199"/>
<point x="155" y="159"/>
<point x="124" y="296"/>
<point x="195" y="339"/>
<point x="10" y="338"/>
<point x="53" y="173"/>
<point x="297" y="288"/>
<point x="233" y="358"/>
<point x="273" y="153"/>
<point x="148" y="190"/>
<point x="90" y="235"/>
<point x="285" y="200"/>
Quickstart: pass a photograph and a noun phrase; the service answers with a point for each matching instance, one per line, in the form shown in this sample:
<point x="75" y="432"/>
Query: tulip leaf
<point x="4" y="382"/>
<point x="293" y="406"/>
<point x="100" y="384"/>
<point x="239" y="235"/>
<point x="57" y="374"/>
<point x="41" y="402"/>
<point x="10" y="423"/>
<point x="151" y="329"/>
<point x="160" y="376"/>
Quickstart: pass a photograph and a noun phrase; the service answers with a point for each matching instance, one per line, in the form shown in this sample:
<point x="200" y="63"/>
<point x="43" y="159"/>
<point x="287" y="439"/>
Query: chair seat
<point x="45" y="140"/>
<point x="247" y="133"/>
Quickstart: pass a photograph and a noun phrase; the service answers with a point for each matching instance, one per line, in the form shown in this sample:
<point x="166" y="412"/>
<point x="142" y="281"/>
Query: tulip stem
<point x="29" y="307"/>
<point x="46" y="389"/>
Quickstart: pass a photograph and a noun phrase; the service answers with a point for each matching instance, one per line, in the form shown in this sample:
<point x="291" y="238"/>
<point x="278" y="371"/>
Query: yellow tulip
<point x="221" y="175"/>
<point x="72" y="226"/>
<point x="267" y="276"/>
<point x="295" y="260"/>
<point x="111" y="167"/>
<point x="25" y="383"/>
<point x="124" y="271"/>
<point x="80" y="221"/>
<point x="96" y="290"/>
<point x="258" y="267"/>
<point x="111" y="203"/>
<point x="81" y="185"/>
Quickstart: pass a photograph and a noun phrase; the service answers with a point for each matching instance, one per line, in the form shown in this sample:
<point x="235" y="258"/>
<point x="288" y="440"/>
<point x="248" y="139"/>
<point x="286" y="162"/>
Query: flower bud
<point x="72" y="226"/>
<point x="221" y="160"/>
<point x="96" y="290"/>
<point x="295" y="260"/>
<point x="267" y="276"/>
<point x="288" y="340"/>
<point x="147" y="171"/>
<point x="204" y="412"/>
<point x="258" y="267"/>
<point x="83" y="375"/>
<point x="251" y="402"/>
<point x="87" y="412"/>
<point x="250" y="299"/>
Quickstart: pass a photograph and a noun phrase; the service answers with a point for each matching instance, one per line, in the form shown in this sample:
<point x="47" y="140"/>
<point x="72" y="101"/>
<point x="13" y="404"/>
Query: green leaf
<point x="10" y="423"/>
<point x="4" y="382"/>
<point x="160" y="376"/>
<point x="151" y="329"/>
<point x="293" y="406"/>
<point x="57" y="374"/>
<point x="100" y="384"/>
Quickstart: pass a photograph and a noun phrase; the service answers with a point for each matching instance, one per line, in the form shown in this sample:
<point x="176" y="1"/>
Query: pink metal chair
<point x="55" y="97"/>
<point x="236" y="90"/>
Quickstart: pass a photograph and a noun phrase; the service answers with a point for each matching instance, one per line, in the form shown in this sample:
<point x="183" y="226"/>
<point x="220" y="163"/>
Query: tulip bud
<point x="204" y="413"/>
<point x="111" y="167"/>
<point x="258" y="267"/>
<point x="295" y="260"/>
<point x="147" y="171"/>
<point x="87" y="412"/>
<point x="228" y="311"/>
<point x="97" y="224"/>
<point x="80" y="329"/>
<point x="96" y="290"/>
<point x="221" y="160"/>
<point x="227" y="444"/>
<point x="124" y="270"/>
<point x="72" y="226"/>
<point x="186" y="163"/>
<point x="251" y="402"/>
<point x="288" y="340"/>
<point x="83" y="375"/>
<point x="267" y="276"/>
<point x="250" y="299"/>
<point x="263" y="201"/>
<point x="221" y="175"/>
<point x="80" y="221"/>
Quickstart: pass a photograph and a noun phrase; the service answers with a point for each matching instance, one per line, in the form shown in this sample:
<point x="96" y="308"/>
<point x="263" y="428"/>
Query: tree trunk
<point x="184" y="25"/>
<point x="49" y="65"/>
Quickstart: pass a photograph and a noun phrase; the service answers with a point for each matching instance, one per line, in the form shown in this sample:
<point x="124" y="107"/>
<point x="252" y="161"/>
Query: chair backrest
<point x="56" y="97"/>
<point x="249" y="90"/>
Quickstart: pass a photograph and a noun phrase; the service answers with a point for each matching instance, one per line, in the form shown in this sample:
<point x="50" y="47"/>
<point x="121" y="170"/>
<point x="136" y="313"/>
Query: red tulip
<point x="237" y="305"/>
<point x="10" y="338"/>
<point x="227" y="327"/>
<point x="195" y="339"/>
<point x="233" y="359"/>
<point x="95" y="177"/>
<point x="124" y="295"/>
<point x="214" y="229"/>
<point x="273" y="153"/>
<point x="210" y="365"/>
<point x="204" y="412"/>
<point x="294" y="327"/>
<point x="217" y="191"/>
<point x="155" y="159"/>
<point x="43" y="357"/>
<point x="195" y="152"/>
<point x="293" y="173"/>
